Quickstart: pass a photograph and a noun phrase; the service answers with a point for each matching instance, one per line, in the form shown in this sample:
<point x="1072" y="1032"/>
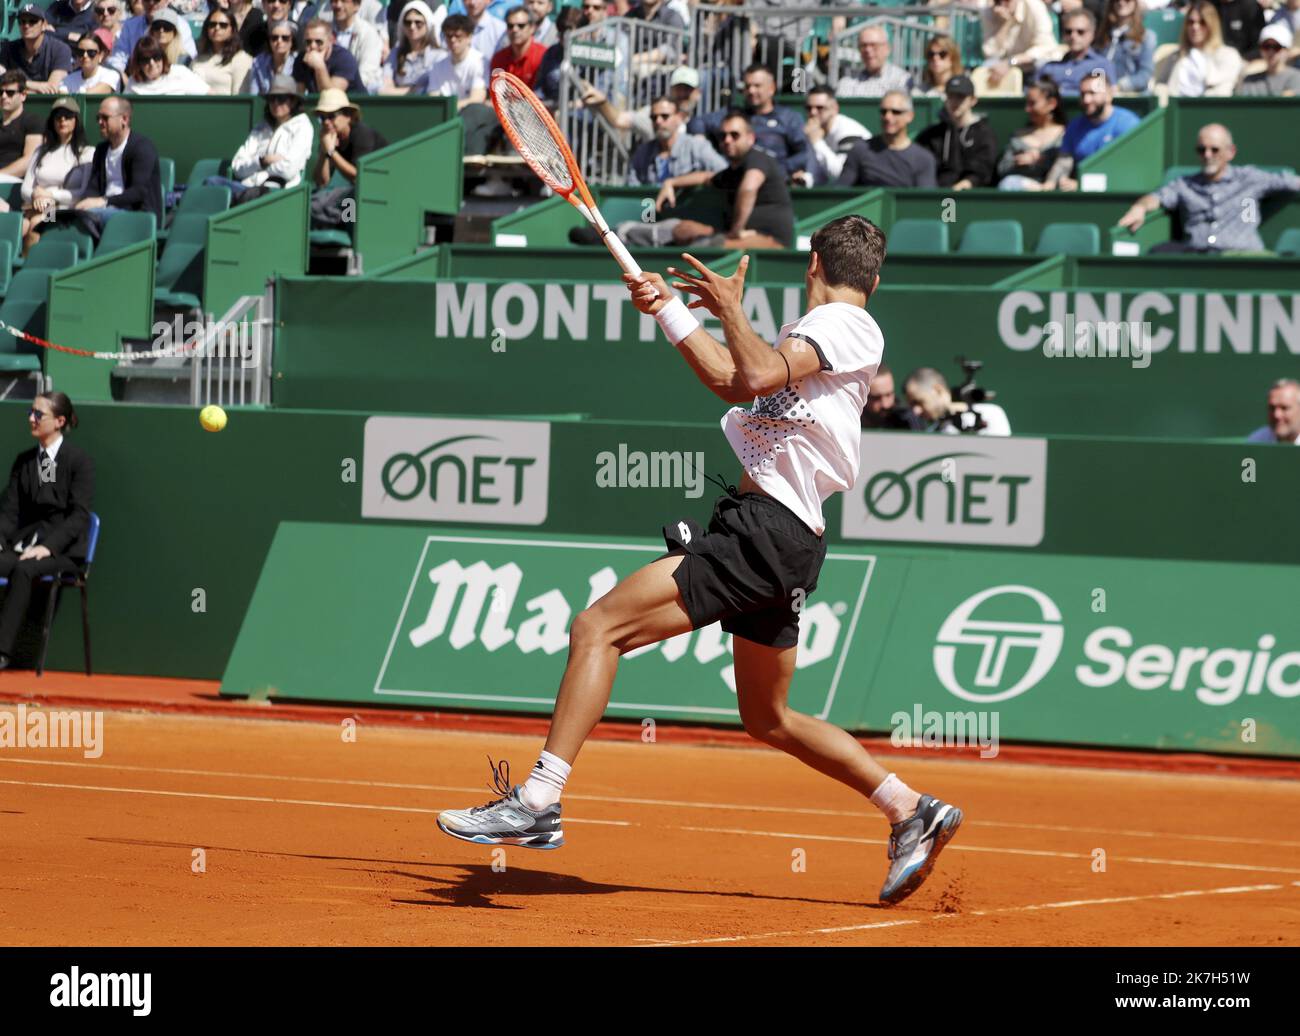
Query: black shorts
<point x="753" y="568"/>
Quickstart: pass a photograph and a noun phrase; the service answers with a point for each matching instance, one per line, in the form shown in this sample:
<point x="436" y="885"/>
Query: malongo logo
<point x="456" y="470"/>
<point x="985" y="659"/>
<point x="487" y="620"/>
<point x="946" y="489"/>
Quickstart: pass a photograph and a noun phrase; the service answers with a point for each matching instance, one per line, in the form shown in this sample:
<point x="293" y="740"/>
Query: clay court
<point x="313" y="840"/>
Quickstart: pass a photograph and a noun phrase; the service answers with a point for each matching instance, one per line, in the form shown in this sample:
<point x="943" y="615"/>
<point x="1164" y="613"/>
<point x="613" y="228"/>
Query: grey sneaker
<point x="914" y="846"/>
<point x="506" y="820"/>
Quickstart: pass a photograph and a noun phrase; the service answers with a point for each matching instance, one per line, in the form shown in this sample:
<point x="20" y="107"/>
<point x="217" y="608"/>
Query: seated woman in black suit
<point x="45" y="513"/>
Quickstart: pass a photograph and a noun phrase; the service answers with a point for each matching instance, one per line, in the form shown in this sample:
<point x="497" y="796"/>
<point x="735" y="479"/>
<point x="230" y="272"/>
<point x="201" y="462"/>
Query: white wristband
<point x="677" y="321"/>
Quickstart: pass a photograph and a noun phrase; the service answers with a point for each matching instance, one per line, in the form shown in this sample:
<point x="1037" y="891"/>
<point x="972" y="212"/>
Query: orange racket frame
<point x="583" y="201"/>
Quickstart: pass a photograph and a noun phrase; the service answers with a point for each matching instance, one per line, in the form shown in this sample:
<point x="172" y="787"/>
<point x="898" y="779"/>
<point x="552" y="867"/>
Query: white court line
<point x="278" y="802"/>
<point x="622" y="800"/>
<point x="992" y="849"/>
<point x="1226" y="891"/>
<point x="627" y="823"/>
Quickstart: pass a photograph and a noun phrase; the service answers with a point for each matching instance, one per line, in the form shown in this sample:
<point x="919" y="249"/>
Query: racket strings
<point x="533" y="137"/>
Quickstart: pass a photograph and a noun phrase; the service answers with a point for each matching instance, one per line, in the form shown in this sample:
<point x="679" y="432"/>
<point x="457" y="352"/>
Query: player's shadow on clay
<point x="476" y="885"/>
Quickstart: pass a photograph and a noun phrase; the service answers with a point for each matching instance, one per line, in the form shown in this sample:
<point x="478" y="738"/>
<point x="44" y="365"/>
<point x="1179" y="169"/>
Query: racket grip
<point x="620" y="252"/>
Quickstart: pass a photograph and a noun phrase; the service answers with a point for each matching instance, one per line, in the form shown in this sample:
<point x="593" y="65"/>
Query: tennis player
<point x="759" y="559"/>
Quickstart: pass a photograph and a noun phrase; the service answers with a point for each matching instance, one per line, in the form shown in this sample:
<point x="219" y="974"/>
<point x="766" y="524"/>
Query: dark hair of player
<point x="852" y="250"/>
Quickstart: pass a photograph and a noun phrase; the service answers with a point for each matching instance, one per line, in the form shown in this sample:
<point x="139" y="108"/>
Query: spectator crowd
<point x="323" y="58"/>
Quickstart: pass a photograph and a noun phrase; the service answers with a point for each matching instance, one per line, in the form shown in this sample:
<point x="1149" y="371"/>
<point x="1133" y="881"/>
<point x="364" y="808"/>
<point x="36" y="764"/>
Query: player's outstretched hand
<point x="715" y="292"/>
<point x="649" y="292"/>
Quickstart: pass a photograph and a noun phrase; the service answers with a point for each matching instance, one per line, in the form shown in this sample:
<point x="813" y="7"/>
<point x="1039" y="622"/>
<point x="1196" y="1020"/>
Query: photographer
<point x="883" y="410"/>
<point x="932" y="402"/>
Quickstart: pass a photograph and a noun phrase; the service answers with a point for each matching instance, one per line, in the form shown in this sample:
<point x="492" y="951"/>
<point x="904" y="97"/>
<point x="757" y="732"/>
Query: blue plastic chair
<point x="70" y="580"/>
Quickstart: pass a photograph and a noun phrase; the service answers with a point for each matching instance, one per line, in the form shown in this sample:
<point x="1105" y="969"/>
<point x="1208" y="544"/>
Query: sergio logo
<point x="422" y="468"/>
<point x="942" y="489"/>
<point x="996" y="639"/>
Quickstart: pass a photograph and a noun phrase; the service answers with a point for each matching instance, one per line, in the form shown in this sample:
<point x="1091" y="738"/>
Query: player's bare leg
<point x="920" y="824"/>
<point x="644" y="608"/>
<point x="763" y="677"/>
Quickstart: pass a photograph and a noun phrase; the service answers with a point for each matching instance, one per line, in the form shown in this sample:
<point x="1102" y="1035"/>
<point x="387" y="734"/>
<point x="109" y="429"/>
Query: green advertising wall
<point x="525" y="347"/>
<point x="184" y="510"/>
<point x="1031" y="647"/>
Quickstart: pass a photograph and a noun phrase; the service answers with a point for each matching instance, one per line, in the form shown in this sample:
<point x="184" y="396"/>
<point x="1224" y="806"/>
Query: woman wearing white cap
<point x="63" y="149"/>
<point x="1279" y="79"/>
<point x="418" y="47"/>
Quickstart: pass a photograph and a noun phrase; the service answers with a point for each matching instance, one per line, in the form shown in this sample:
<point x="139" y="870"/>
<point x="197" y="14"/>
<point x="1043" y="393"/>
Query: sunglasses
<point x="40" y="415"/>
<point x="658" y="116"/>
<point x="152" y="61"/>
<point x="734" y="135"/>
<point x="281" y="37"/>
<point x="1270" y="45"/>
<point x="278" y="99"/>
<point x="1202" y="150"/>
<point x="518" y="25"/>
<point x="59" y="115"/>
<point x="218" y="25"/>
<point x="893" y="111"/>
<point x="30" y="21"/>
<point x="937" y="54"/>
<point x="815" y="107"/>
<point x="11" y="92"/>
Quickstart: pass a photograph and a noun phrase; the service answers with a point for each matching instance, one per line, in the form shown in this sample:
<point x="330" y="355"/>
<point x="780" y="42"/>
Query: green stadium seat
<point x="67" y="232"/>
<point x="24" y="308"/>
<point x="1165" y="24"/>
<point x="994" y="237"/>
<point x="128" y="228"/>
<point x="204" y="168"/>
<point x="178" y="281"/>
<point x="11" y="231"/>
<point x="6" y="266"/>
<point x="333" y="238"/>
<point x="1289" y="243"/>
<point x="51" y="255"/>
<point x="917" y="237"/>
<point x="166" y="180"/>
<point x="206" y="200"/>
<point x="1069" y="239"/>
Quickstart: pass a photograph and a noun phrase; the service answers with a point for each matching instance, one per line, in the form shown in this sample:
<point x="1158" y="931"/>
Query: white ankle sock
<point x="546" y="782"/>
<point x="895" y="799"/>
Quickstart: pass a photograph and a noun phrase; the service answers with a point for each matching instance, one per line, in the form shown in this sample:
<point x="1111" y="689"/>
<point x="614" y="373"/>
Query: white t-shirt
<point x="113" y="169"/>
<point x="76" y="83"/>
<point x="447" y="79"/>
<point x="803" y="443"/>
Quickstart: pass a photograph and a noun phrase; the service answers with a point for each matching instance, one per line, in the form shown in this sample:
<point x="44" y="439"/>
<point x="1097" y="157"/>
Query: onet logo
<point x="996" y="639"/>
<point x="404" y="477"/>
<point x="891" y="494"/>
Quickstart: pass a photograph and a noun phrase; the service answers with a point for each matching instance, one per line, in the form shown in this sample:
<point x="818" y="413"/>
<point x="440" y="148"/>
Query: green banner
<point x="453" y="619"/>
<point x="1206" y="361"/>
<point x="1186" y="655"/>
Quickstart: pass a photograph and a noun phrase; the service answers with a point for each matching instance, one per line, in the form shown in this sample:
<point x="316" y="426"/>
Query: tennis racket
<point x="541" y="144"/>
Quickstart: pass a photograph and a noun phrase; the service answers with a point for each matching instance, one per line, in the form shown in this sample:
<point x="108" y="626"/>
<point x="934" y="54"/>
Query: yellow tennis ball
<point x="213" y="418"/>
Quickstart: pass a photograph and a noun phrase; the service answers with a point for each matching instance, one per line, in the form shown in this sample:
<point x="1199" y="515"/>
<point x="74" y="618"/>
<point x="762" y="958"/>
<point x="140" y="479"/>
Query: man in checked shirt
<point x="1220" y="206"/>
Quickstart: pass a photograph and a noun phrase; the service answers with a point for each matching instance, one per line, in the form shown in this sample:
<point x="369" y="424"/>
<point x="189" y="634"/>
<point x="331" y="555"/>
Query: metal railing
<point x="232" y="365"/>
<point x="631" y="61"/>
